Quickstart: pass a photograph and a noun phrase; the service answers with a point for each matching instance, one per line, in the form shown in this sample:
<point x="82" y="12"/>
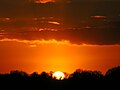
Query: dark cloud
<point x="15" y="8"/>
<point x="90" y="35"/>
<point x="77" y="18"/>
<point x="62" y="8"/>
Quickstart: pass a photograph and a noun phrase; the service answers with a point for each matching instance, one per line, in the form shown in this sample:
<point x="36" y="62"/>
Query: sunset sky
<point x="64" y="35"/>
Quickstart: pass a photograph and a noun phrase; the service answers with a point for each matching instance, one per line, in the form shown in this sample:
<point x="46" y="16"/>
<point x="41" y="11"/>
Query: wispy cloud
<point x="43" y="1"/>
<point x="53" y="22"/>
<point x="99" y="17"/>
<point x="34" y="43"/>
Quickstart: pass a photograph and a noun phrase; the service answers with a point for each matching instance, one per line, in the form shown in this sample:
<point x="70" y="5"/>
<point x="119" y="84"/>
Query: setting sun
<point x="58" y="75"/>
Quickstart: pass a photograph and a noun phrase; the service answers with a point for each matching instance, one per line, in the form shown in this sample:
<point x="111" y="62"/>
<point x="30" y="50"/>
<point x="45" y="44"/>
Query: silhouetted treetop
<point x="113" y="73"/>
<point x="34" y="74"/>
<point x="17" y="73"/>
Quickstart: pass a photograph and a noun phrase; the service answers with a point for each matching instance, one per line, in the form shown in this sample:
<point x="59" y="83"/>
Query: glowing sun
<point x="58" y="75"/>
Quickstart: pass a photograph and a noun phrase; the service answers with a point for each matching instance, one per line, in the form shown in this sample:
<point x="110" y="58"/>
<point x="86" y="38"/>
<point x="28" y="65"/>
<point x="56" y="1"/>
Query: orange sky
<point x="53" y="55"/>
<point x="64" y="35"/>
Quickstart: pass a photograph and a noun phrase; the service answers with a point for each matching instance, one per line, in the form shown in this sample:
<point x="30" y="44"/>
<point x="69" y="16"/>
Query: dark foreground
<point x="79" y="80"/>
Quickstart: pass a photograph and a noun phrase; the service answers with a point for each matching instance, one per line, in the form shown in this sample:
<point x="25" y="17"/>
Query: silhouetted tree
<point x="44" y="75"/>
<point x="114" y="73"/>
<point x="76" y="75"/>
<point x="112" y="78"/>
<point x="17" y="73"/>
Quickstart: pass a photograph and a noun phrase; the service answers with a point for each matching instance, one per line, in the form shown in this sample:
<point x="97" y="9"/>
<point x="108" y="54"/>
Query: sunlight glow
<point x="59" y="75"/>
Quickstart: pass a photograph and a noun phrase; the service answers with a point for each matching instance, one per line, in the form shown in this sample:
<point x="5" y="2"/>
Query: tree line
<point x="78" y="80"/>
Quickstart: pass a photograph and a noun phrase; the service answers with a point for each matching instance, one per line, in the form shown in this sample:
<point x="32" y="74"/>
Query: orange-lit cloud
<point x="88" y="35"/>
<point x="44" y="1"/>
<point x="34" y="43"/>
<point x="47" y="29"/>
<point x="99" y="17"/>
<point x="52" y="22"/>
<point x="5" y="19"/>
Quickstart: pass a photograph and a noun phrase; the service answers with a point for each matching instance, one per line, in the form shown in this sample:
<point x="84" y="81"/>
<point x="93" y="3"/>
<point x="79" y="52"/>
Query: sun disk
<point x="58" y="75"/>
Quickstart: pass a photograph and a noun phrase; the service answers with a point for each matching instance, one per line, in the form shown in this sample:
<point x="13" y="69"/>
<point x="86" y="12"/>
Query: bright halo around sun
<point x="58" y="75"/>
